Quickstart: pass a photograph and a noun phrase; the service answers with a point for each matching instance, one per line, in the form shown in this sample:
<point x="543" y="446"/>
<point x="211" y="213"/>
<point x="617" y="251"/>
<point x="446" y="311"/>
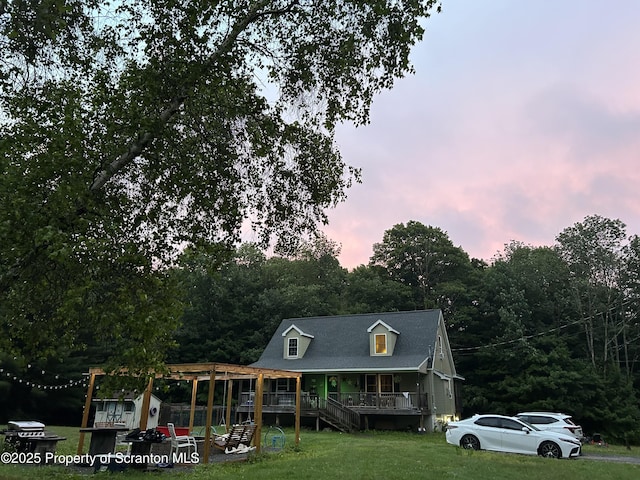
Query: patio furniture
<point x="237" y="440"/>
<point x="179" y="442"/>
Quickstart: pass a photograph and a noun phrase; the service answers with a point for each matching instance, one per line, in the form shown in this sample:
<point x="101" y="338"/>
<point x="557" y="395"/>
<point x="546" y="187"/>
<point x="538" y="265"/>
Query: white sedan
<point x="508" y="434"/>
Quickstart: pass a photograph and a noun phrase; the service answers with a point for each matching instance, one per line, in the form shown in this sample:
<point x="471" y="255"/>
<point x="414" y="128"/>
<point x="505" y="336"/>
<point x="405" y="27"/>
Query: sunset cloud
<point x="519" y="122"/>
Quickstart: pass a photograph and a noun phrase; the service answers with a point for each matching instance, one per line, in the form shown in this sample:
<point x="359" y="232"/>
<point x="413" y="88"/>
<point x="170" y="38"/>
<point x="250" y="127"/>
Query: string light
<point x="70" y="383"/>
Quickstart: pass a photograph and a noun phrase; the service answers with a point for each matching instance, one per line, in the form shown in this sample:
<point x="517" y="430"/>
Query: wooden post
<point x="257" y="413"/>
<point x="298" y="388"/>
<point x="85" y="414"/>
<point x="227" y="419"/>
<point x="192" y="414"/>
<point x="239" y="399"/>
<point x="146" y="401"/>
<point x="207" y="432"/>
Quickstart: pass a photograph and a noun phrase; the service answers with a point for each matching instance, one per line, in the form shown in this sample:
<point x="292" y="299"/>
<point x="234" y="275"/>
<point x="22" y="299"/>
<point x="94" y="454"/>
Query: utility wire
<point x="539" y="334"/>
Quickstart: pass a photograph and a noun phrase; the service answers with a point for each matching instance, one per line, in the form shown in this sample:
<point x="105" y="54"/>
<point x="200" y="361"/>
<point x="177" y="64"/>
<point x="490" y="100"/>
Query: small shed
<point x="126" y="410"/>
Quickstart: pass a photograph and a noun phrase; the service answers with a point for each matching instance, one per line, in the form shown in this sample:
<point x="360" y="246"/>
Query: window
<point x="489" y="422"/>
<point x="293" y="347"/>
<point x="386" y="383"/>
<point x="282" y="385"/>
<point x="382" y="339"/>
<point x="372" y="384"/>
<point x="538" y="420"/>
<point x="511" y="424"/>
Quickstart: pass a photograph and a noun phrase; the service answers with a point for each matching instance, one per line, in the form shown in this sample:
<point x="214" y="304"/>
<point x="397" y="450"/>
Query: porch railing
<point x="346" y="419"/>
<point x="395" y="401"/>
<point x="281" y="399"/>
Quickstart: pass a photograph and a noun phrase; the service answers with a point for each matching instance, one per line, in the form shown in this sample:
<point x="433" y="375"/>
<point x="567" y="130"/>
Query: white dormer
<point x="382" y="339"/>
<point x="296" y="342"/>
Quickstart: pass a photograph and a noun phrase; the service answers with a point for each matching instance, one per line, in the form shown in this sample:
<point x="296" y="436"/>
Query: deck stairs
<point x="338" y="416"/>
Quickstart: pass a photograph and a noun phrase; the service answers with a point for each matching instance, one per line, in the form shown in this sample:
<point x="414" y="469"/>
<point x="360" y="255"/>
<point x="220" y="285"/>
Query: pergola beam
<point x="202" y="371"/>
<point x="197" y="372"/>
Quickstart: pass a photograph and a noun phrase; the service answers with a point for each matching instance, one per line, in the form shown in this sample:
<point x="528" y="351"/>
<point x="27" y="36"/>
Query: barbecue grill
<point x="30" y="437"/>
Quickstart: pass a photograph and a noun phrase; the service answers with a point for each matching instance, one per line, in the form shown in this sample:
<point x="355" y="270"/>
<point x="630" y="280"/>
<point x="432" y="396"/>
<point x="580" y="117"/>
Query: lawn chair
<point x="238" y="440"/>
<point x="180" y="441"/>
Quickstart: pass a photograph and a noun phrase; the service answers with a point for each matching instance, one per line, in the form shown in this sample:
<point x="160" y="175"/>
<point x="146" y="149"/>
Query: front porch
<point x="348" y="401"/>
<point x="379" y="402"/>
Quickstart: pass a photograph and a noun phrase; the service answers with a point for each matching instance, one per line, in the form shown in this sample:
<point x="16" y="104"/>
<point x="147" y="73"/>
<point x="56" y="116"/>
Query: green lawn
<point x="373" y="455"/>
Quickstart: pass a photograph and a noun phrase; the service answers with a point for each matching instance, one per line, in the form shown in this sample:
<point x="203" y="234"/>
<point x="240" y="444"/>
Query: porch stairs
<point x="338" y="416"/>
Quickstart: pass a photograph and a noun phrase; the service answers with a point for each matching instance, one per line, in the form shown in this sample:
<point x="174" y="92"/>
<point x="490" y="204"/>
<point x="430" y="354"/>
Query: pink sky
<point x="523" y="118"/>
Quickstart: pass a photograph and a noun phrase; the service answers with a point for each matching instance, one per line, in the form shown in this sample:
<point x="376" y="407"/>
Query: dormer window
<point x="296" y="343"/>
<point x="381" y="343"/>
<point x="382" y="339"/>
<point x="293" y="347"/>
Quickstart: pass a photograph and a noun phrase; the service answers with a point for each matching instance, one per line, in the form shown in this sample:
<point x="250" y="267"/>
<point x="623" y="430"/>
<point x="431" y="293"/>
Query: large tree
<point x="594" y="250"/>
<point x="424" y="258"/>
<point x="132" y="128"/>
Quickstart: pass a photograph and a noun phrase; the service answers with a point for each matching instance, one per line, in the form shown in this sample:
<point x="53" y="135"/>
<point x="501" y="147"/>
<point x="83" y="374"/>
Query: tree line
<point x="539" y="328"/>
<point x="551" y="328"/>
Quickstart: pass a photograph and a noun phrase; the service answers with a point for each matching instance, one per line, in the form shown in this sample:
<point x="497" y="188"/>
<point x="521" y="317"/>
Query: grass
<point x="363" y="456"/>
<point x="611" y="450"/>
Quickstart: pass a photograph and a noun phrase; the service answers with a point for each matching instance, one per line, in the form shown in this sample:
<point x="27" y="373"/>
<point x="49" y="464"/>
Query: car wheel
<point x="550" y="450"/>
<point x="469" y="442"/>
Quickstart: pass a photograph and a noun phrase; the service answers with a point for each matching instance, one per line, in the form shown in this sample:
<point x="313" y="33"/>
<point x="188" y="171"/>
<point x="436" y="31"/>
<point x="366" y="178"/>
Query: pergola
<point x="197" y="372"/>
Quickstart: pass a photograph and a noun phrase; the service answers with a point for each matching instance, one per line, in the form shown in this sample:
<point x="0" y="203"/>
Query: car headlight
<point x="573" y="442"/>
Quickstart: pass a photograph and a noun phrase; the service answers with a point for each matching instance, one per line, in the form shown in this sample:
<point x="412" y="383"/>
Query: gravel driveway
<point x="611" y="458"/>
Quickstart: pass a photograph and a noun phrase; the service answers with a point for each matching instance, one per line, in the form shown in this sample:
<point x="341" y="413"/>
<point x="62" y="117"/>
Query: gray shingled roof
<point x="342" y="342"/>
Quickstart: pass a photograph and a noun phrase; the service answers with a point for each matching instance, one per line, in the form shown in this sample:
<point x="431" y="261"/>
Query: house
<point x="389" y="370"/>
<point x="126" y="410"/>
